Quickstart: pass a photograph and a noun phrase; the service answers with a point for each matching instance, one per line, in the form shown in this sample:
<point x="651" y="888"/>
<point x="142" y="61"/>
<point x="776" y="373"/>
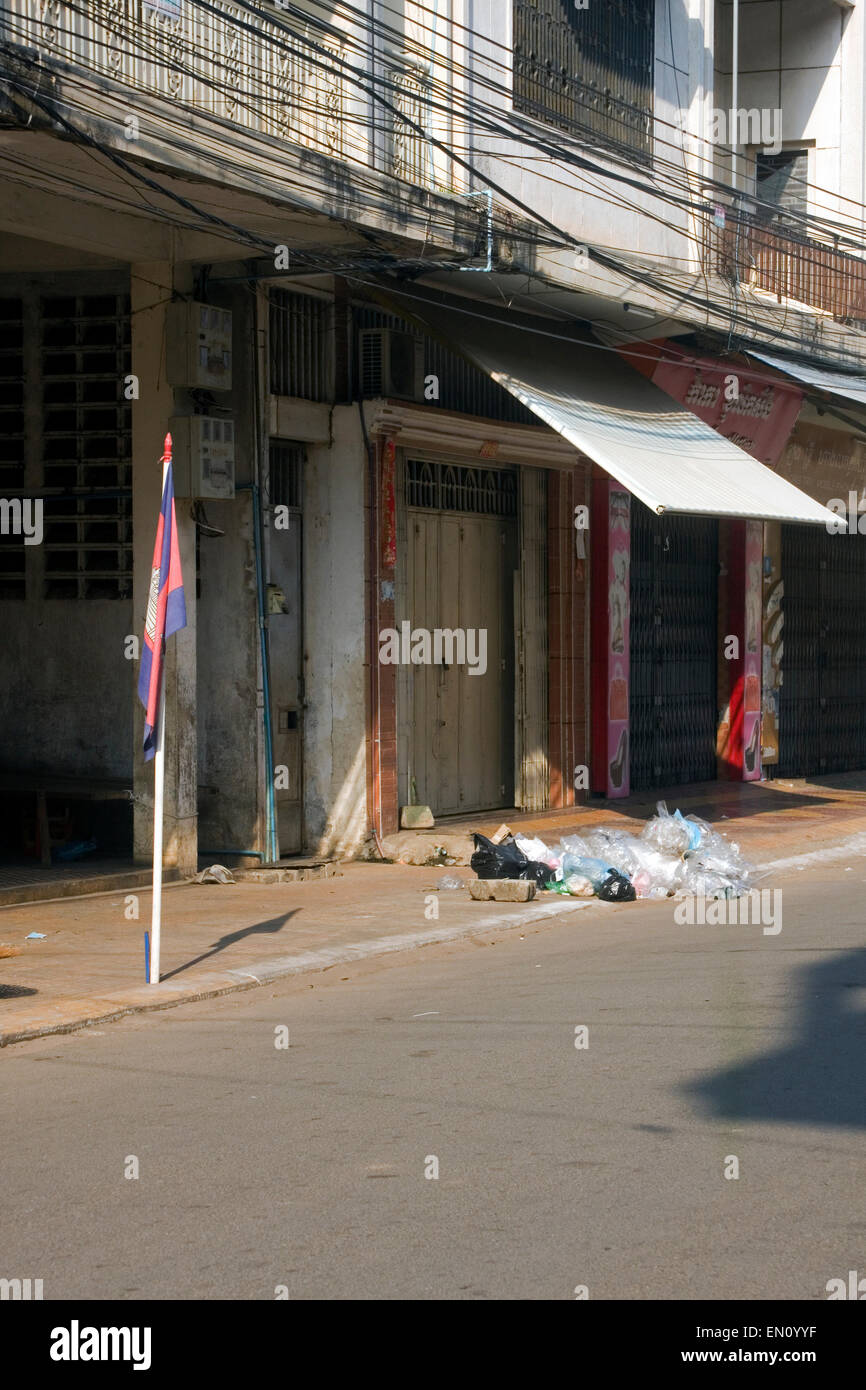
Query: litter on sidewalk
<point x="217" y="873"/>
<point x="675" y="855"/>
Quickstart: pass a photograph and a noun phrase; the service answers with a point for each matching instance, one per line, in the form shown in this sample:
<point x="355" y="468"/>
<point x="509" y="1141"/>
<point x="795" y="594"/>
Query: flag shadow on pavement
<point x="271" y="926"/>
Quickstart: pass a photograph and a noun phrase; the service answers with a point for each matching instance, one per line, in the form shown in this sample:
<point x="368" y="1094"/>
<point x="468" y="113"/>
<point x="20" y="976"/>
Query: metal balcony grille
<point x="451" y="487"/>
<point x="300" y="346"/>
<point x="785" y="262"/>
<point x="411" y="150"/>
<point x="590" y="70"/>
<point x="462" y="387"/>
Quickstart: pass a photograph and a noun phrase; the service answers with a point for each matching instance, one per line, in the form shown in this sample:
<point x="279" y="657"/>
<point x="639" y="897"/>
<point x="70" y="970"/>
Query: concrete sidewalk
<point x="763" y="817"/>
<point x="216" y="939"/>
<point x="219" y="938"/>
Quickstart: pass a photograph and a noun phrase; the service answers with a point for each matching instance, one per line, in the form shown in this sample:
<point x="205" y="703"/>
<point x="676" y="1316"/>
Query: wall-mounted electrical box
<point x="199" y="346"/>
<point x="203" y="456"/>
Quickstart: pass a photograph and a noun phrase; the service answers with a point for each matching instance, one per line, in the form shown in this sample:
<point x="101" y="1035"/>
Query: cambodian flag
<point x="166" y="606"/>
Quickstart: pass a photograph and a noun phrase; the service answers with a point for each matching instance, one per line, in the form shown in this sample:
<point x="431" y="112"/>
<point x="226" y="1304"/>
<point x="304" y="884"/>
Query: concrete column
<point x="568" y="668"/>
<point x="336" y="652"/>
<point x="611" y="614"/>
<point x="151" y="286"/>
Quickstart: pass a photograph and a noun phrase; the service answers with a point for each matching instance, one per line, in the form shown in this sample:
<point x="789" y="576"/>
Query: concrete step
<point x="51" y="887"/>
<point x="295" y="870"/>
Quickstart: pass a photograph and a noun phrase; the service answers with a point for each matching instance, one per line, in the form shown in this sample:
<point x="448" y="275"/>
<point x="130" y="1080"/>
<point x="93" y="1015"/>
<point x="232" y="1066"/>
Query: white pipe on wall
<point x="735" y="93"/>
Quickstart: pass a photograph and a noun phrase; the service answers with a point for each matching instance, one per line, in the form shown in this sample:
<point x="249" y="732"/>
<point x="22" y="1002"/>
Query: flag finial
<point x="166" y="449"/>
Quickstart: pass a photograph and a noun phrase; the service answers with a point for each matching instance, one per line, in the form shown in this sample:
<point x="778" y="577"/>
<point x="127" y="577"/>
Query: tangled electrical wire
<point x="469" y="95"/>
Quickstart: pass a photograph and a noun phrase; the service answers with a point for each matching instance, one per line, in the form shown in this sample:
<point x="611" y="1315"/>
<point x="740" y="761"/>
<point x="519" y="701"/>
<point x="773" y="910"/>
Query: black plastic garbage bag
<point x="506" y="861"/>
<point x="616" y="888"/>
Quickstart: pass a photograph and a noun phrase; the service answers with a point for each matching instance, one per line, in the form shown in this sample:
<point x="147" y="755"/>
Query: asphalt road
<point x="558" y="1166"/>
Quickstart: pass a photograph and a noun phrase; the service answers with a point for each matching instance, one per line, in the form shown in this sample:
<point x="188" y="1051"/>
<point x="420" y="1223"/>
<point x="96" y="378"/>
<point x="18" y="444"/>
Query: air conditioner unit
<point x="392" y="364"/>
<point x="199" y="346"/>
<point x="203" y="456"/>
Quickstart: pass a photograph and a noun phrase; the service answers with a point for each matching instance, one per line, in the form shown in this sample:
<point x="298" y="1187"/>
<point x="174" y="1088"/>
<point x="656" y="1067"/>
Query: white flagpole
<point x="158" y="798"/>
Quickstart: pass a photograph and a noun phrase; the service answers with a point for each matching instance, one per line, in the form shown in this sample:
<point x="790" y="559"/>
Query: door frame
<point x="405" y="771"/>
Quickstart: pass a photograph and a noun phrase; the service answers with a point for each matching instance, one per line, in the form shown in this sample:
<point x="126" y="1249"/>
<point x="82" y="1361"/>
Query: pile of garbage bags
<point x="673" y="855"/>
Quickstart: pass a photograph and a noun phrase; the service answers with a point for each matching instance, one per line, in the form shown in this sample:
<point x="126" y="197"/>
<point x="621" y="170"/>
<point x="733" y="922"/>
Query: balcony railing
<point x="270" y="75"/>
<point x="787" y="265"/>
<point x="590" y="71"/>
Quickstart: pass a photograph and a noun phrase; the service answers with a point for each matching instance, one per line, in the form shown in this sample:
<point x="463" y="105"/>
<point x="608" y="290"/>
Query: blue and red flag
<point x="166" y="606"/>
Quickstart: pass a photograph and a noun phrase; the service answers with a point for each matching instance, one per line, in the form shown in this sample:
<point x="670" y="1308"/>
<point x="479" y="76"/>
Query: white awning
<point x="659" y="450"/>
<point x="850" y="388"/>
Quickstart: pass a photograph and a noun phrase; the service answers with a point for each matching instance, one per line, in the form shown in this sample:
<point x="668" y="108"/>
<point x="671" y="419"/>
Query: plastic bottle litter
<point x="596" y="870"/>
<point x="536" y="850"/>
<point x="448" y="882"/>
<point x="666" y="833"/>
<point x="700" y="883"/>
<point x="674" y="854"/>
<point x="574" y="844"/>
<point x="616" y="847"/>
<point x="579" y="886"/>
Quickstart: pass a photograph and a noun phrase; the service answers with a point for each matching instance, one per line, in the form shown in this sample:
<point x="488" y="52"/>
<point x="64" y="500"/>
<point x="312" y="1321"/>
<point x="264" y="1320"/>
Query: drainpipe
<point x="863" y="118"/>
<point x="735" y="95"/>
<point x="735" y="170"/>
<point x="375" y="664"/>
<point x="271" y="814"/>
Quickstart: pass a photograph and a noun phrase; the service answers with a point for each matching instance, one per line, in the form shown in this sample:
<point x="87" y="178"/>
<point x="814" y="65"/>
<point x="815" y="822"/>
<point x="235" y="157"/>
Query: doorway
<point x="462" y="524"/>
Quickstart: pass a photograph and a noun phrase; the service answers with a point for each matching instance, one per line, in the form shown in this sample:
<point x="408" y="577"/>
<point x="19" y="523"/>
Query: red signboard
<point x="389" y="506"/>
<point x="750" y="408"/>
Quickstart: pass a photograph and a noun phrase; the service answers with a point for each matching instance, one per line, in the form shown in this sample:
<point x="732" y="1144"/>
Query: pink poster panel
<point x="619" y="556"/>
<point x="752" y="655"/>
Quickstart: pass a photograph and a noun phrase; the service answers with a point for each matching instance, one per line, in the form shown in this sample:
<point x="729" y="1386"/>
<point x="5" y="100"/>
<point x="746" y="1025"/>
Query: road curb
<point x="142" y="1000"/>
<point x="111" y="1007"/>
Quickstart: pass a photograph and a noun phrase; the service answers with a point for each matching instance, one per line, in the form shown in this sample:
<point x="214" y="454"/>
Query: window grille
<point x="300" y="346"/>
<point x="457" y="488"/>
<point x="286" y="474"/>
<point x="12" y="551"/>
<point x="588" y="70"/>
<point x="462" y="386"/>
<point x="86" y="446"/>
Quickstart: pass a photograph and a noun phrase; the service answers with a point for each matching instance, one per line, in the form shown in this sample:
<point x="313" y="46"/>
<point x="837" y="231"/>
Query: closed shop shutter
<point x="674" y="651"/>
<point x="822" y="711"/>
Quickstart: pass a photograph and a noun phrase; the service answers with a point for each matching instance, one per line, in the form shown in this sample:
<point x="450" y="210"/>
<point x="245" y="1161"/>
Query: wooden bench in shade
<point x="42" y="786"/>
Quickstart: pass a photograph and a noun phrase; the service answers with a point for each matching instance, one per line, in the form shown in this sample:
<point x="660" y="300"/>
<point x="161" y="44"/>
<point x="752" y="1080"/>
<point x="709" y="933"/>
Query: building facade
<point x="299" y="239"/>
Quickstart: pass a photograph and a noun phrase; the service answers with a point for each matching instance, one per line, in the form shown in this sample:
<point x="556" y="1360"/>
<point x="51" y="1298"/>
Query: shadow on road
<point x="820" y="1078"/>
<point x="273" y="924"/>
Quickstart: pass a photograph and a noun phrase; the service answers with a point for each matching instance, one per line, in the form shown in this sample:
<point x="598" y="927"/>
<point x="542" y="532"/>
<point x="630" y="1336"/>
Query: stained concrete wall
<point x="586" y="206"/>
<point x="228" y="682"/>
<point x="66" y="689"/>
<point x="334" y="644"/>
<point x="228" y="691"/>
<point x="805" y="58"/>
